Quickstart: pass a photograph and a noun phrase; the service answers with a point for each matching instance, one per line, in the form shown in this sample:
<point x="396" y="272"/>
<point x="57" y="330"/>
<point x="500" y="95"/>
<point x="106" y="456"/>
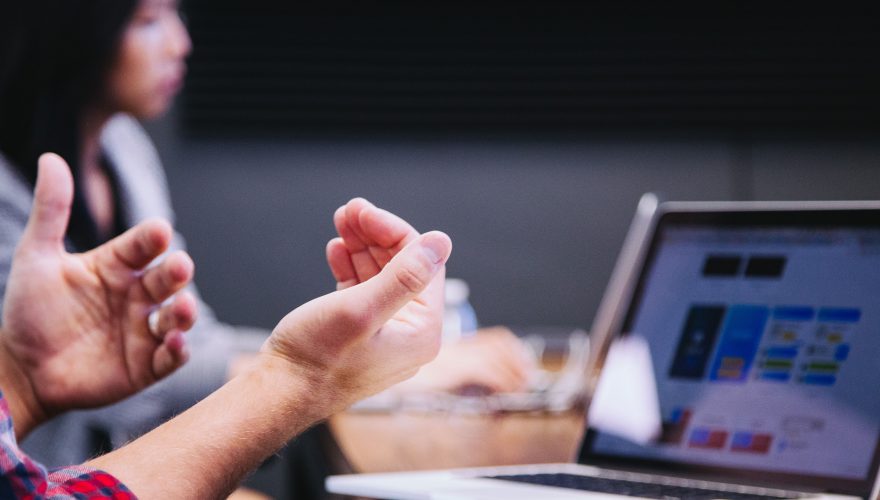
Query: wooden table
<point x="405" y="439"/>
<point x="397" y="441"/>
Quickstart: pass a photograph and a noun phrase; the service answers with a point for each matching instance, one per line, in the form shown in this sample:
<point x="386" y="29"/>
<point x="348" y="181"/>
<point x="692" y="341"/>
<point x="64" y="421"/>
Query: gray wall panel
<point x="536" y="225"/>
<point x="821" y="171"/>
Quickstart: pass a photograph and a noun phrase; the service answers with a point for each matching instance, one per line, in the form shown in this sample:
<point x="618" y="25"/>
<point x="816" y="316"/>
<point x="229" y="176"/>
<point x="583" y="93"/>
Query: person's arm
<point x="22" y="477"/>
<point x="321" y="357"/>
<point x="75" y="330"/>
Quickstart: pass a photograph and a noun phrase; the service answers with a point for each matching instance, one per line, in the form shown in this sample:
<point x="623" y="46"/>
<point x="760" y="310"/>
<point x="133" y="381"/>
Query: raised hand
<point x="494" y="359"/>
<point x="75" y="326"/>
<point x="359" y="340"/>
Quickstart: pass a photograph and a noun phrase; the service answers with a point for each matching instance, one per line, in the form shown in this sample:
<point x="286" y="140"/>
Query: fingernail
<point x="436" y="247"/>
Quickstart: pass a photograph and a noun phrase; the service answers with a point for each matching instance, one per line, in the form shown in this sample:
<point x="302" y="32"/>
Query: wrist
<point x="306" y="390"/>
<point x="211" y="446"/>
<point x="18" y="390"/>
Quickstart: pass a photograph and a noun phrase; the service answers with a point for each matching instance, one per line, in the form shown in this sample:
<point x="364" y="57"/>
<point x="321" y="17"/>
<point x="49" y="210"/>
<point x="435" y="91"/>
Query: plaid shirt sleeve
<point x="23" y="478"/>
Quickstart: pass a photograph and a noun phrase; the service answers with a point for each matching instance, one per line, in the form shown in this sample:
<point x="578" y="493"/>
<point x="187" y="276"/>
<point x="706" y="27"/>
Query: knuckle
<point x="411" y="279"/>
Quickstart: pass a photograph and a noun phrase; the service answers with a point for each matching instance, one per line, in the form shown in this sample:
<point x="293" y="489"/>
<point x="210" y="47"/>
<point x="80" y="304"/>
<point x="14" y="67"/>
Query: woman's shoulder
<point x="15" y="192"/>
<point x="126" y="142"/>
<point x="15" y="204"/>
<point x="131" y="154"/>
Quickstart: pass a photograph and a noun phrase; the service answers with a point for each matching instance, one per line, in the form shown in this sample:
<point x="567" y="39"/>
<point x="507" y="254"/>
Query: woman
<point x="73" y="74"/>
<point x="74" y="77"/>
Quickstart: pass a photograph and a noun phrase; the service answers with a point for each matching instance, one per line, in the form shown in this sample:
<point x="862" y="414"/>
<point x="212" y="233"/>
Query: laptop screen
<point x="764" y="331"/>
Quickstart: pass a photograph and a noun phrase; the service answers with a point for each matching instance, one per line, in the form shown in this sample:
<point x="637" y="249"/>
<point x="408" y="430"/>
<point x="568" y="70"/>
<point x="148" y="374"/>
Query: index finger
<point x="131" y="251"/>
<point x="385" y="229"/>
<point x="371" y="235"/>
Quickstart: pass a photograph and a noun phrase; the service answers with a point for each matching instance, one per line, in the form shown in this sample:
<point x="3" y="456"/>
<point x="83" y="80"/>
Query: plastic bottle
<point x="459" y="317"/>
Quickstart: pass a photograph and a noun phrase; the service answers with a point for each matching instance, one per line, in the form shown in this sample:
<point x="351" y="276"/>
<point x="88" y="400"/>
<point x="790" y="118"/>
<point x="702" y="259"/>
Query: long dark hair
<point x="54" y="59"/>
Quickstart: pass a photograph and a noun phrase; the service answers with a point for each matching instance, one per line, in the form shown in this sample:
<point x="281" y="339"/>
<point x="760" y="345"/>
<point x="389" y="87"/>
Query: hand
<point x="368" y="238"/>
<point x="75" y="325"/>
<point x="382" y="325"/>
<point x="493" y="360"/>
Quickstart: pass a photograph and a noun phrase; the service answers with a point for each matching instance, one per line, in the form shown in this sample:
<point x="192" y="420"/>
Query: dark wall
<point x="531" y="66"/>
<point x="526" y="130"/>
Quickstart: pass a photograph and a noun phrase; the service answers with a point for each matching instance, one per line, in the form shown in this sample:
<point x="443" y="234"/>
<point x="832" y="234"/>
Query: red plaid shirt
<point x="23" y="478"/>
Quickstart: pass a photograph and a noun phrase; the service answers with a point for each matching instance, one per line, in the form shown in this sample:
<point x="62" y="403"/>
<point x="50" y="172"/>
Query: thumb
<point x="53" y="196"/>
<point x="407" y="275"/>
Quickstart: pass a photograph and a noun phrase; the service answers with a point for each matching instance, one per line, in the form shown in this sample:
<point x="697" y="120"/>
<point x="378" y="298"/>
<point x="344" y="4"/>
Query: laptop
<point x="763" y="326"/>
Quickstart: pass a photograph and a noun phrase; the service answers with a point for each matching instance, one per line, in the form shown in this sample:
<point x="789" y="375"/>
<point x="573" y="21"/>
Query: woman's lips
<point x="173" y="84"/>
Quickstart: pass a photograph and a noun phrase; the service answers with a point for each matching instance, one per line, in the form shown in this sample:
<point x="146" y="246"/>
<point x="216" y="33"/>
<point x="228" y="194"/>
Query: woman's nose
<point x="179" y="42"/>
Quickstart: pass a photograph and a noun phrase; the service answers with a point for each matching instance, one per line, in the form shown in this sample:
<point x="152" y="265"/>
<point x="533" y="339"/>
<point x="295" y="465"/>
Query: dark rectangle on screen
<point x="697" y="341"/>
<point x="722" y="265"/>
<point x="765" y="267"/>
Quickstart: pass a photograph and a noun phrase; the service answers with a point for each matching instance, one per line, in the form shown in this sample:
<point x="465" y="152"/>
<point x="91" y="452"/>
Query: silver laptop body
<point x="763" y="320"/>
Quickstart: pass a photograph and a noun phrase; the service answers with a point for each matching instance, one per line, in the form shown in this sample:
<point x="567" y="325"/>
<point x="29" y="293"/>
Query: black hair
<point x="55" y="56"/>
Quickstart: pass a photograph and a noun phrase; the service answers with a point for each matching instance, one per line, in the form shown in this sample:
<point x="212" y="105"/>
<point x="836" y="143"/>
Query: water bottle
<point x="459" y="317"/>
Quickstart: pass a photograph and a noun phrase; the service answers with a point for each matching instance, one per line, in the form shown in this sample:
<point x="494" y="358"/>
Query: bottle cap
<point x="457" y="291"/>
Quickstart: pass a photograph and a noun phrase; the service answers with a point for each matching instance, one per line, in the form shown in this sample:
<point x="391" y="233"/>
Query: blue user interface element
<point x="739" y="342"/>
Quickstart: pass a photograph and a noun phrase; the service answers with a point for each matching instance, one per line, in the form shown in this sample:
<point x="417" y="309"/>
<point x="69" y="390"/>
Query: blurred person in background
<point x="75" y="78"/>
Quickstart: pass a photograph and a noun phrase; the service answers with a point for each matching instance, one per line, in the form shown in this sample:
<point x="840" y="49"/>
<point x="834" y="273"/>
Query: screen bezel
<point x="732" y="215"/>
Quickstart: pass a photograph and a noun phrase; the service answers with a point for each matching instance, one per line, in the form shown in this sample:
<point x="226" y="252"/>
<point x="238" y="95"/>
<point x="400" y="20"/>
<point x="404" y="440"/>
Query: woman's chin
<point x="151" y="111"/>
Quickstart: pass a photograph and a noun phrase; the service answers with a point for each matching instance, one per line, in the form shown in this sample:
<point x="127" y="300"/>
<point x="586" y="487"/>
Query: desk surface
<point x="407" y="439"/>
<point x="384" y="442"/>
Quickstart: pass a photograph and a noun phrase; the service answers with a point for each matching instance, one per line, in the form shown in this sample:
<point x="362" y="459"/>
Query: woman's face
<point x="151" y="63"/>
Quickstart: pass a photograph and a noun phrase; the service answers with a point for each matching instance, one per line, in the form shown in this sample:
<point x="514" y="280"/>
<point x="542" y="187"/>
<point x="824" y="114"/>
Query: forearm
<point x="25" y="410"/>
<point x="207" y="450"/>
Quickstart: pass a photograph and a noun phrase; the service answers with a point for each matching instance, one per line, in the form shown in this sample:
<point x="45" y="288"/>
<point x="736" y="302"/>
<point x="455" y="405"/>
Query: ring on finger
<point x="153" y="323"/>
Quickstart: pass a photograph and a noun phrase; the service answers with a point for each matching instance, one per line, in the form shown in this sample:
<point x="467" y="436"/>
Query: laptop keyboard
<point x="632" y="488"/>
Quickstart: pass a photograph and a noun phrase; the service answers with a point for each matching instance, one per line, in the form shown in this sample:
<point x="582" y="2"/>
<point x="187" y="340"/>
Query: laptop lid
<point x="763" y="322"/>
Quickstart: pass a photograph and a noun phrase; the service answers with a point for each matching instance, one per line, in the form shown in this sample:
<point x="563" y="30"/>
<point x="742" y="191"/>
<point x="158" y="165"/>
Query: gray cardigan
<point x="144" y="193"/>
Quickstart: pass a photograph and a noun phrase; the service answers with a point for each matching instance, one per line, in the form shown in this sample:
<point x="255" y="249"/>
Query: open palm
<point x="77" y="324"/>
